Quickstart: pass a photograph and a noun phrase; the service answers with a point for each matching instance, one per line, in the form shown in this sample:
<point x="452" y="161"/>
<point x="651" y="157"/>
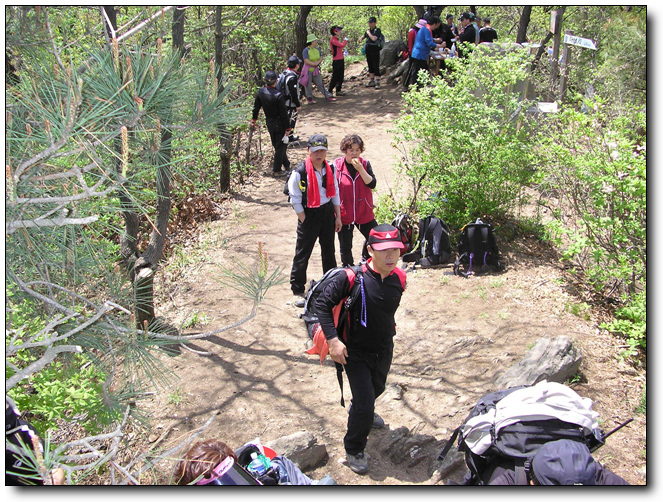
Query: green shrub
<point x="465" y="150"/>
<point x="630" y="323"/>
<point x="597" y="170"/>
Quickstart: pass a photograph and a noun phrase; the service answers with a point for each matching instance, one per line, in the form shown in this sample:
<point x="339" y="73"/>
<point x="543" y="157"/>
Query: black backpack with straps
<point x="403" y="223"/>
<point x="477" y="248"/>
<point x="512" y="436"/>
<point x="433" y="244"/>
<point x="342" y="312"/>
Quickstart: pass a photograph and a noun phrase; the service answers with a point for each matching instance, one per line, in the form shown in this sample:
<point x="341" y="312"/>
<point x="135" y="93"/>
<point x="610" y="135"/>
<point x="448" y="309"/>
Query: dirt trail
<point x="455" y="335"/>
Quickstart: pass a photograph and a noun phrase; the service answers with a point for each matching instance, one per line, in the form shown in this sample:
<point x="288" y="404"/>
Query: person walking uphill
<point x="313" y="190"/>
<point x="368" y="349"/>
<point x="272" y="103"/>
<point x="312" y="56"/>
<point x="374" y="39"/>
<point x="338" y="60"/>
<point x="356" y="183"/>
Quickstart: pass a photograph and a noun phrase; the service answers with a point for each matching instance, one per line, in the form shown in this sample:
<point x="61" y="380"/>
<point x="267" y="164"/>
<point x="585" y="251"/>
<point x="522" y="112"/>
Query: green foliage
<point x="597" y="166"/>
<point x="630" y="323"/>
<point x="396" y="21"/>
<point x="466" y="152"/>
<point x="61" y="392"/>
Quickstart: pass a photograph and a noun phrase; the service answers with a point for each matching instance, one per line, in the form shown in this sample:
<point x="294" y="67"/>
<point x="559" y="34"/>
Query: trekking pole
<point x="617" y="428"/>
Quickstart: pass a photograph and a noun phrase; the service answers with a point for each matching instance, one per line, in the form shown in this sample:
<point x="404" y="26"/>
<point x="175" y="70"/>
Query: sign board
<point x="580" y="42"/>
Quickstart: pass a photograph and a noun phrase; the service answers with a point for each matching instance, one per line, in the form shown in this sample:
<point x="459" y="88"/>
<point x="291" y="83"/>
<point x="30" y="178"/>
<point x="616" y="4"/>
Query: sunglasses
<point x="229" y="473"/>
<point x="318" y="143"/>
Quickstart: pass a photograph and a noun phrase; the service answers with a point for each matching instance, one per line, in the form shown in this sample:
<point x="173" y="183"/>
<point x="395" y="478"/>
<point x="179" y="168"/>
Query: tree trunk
<point x="419" y="10"/>
<point x="300" y="28"/>
<point x="523" y="24"/>
<point x="146" y="264"/>
<point x="225" y="138"/>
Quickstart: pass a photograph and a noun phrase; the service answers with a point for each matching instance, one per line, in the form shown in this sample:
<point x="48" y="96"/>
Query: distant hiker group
<point x="349" y="313"/>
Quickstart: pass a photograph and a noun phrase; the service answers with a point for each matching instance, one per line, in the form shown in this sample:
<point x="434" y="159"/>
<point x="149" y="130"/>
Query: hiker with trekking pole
<point x="364" y="347"/>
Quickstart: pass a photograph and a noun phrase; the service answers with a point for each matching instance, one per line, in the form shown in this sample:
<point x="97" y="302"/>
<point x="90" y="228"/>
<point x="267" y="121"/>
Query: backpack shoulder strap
<point x="401" y="275"/>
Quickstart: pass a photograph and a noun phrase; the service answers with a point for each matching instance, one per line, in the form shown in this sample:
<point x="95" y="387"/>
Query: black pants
<point x="318" y="225"/>
<point x="373" y="59"/>
<point x="292" y="115"/>
<point x="338" y="75"/>
<point x="276" y="133"/>
<point x="345" y="241"/>
<point x="367" y="374"/>
<point x="415" y="66"/>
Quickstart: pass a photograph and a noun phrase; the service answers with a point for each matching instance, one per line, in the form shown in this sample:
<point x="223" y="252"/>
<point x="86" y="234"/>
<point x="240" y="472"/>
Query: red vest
<point x="356" y="197"/>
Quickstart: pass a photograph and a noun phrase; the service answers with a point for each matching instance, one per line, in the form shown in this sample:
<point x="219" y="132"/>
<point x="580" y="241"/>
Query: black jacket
<point x="272" y="103"/>
<point x="382" y="298"/>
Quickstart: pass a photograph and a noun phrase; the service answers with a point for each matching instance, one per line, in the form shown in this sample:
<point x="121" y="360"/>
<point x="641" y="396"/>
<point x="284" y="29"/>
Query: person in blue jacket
<point x="423" y="44"/>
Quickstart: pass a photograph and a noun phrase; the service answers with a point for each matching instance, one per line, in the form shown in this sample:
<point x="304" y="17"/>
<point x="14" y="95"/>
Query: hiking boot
<point x="378" y="422"/>
<point x="330" y="98"/>
<point x="357" y="463"/>
<point x="377" y="84"/>
<point x="299" y="301"/>
<point x="371" y="83"/>
<point x="340" y="93"/>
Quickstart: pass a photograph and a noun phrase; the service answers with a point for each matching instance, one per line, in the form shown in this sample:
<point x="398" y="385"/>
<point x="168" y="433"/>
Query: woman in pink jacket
<point x="337" y="47"/>
<point x="356" y="182"/>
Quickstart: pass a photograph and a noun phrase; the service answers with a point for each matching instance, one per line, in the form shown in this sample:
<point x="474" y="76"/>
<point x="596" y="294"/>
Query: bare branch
<point x="60" y="221"/>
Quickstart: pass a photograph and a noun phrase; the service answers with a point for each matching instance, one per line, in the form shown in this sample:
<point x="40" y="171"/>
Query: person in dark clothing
<point x="291" y="93"/>
<point x="367" y="351"/>
<point x="563" y="462"/>
<point x="272" y="103"/>
<point x="356" y="183"/>
<point x="487" y="33"/>
<point x="372" y="36"/>
<point x="314" y="196"/>
<point x="468" y="35"/>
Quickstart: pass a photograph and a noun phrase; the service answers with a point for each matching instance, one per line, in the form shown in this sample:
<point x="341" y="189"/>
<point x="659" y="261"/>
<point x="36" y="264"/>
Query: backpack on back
<point x="433" y="244"/>
<point x="403" y="223"/>
<point x="381" y="41"/>
<point x="341" y="313"/>
<point x="477" y="248"/>
<point x="506" y="428"/>
<point x="281" y="84"/>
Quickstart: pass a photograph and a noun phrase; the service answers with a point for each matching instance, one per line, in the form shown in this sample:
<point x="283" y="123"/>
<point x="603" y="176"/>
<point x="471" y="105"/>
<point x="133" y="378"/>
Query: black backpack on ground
<point x="477" y="248"/>
<point x="433" y="244"/>
<point x="528" y="426"/>
<point x="403" y="223"/>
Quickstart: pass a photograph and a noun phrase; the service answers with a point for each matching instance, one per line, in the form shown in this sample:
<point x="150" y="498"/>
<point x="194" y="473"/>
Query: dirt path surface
<point x="455" y="335"/>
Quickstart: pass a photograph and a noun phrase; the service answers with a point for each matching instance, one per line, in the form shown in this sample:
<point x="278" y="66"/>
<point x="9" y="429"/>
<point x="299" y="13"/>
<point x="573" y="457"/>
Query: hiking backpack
<point x="342" y="312"/>
<point x="281" y="83"/>
<point x="433" y="244"/>
<point x="477" y="247"/>
<point x="381" y="41"/>
<point x="505" y="429"/>
<point x="403" y="223"/>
